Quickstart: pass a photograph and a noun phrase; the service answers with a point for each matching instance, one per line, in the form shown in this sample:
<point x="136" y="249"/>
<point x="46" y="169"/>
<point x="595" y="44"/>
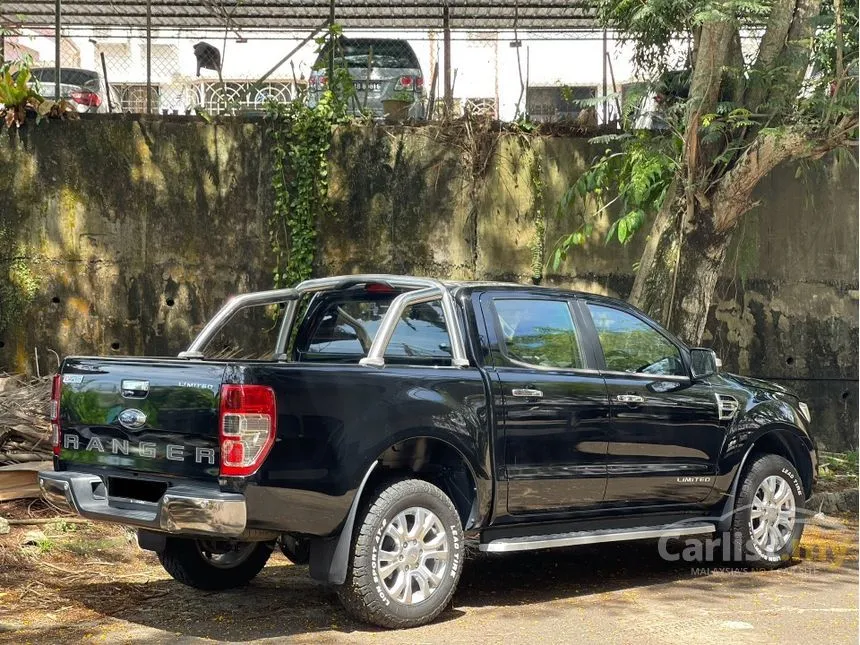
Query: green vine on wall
<point x="302" y="132"/>
<point x="18" y="284"/>
<point x="538" y="239"/>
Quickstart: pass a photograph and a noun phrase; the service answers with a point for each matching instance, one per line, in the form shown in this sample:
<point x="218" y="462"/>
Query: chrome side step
<point x="531" y="542"/>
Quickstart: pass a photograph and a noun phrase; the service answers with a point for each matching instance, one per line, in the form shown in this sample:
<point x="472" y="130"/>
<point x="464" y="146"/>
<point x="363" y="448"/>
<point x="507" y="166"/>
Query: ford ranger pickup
<point x="373" y="425"/>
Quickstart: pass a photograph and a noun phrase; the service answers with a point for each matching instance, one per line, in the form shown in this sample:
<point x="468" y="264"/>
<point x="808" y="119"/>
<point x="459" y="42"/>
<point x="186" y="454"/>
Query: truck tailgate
<point x="140" y="415"/>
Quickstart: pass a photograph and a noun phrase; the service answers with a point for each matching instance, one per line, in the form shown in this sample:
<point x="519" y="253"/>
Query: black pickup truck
<point x="372" y="425"/>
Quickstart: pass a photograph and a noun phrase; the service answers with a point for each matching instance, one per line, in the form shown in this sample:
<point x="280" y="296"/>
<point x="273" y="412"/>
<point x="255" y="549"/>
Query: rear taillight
<point x="85" y="97"/>
<point x="56" y="388"/>
<point x="410" y="82"/>
<point x="247" y="425"/>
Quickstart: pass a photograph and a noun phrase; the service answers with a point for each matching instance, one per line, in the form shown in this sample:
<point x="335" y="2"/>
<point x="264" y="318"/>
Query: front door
<point x="555" y="410"/>
<point x="665" y="432"/>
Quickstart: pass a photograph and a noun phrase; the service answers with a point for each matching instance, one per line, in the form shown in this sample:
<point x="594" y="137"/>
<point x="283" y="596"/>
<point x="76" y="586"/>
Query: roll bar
<point x="421" y="290"/>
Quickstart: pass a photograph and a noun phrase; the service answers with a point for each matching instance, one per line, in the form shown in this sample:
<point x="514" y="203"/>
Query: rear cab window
<point x="340" y="327"/>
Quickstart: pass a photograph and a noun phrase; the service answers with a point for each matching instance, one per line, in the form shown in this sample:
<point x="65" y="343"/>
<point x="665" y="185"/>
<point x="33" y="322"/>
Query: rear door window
<point x="538" y="333"/>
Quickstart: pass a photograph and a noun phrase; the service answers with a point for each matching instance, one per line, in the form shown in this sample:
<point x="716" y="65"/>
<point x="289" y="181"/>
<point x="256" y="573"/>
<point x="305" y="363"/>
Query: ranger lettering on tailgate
<point x="147" y="449"/>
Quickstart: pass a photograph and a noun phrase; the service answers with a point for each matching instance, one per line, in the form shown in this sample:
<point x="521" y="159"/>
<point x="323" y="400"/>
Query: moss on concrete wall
<point x="135" y="231"/>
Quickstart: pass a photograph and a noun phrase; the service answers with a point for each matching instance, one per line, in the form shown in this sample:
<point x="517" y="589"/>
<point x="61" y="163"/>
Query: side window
<point x="539" y="332"/>
<point x="250" y="334"/>
<point x="630" y="345"/>
<point x="421" y="333"/>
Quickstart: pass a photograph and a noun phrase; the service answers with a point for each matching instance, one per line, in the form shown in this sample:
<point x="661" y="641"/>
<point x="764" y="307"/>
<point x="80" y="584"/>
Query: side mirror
<point x="704" y="362"/>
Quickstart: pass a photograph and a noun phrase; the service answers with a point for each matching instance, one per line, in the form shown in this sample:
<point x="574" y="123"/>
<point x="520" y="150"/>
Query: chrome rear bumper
<point x="184" y="509"/>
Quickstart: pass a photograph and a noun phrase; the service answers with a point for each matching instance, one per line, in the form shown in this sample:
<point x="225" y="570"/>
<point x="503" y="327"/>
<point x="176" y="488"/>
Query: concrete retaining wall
<point x="131" y="233"/>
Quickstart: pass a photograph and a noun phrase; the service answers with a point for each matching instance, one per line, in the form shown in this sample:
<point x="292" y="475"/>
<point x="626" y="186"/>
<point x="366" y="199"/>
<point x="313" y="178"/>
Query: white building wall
<point x="485" y="64"/>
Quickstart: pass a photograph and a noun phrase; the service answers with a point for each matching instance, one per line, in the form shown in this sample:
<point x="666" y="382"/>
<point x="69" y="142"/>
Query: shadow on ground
<point x="282" y="601"/>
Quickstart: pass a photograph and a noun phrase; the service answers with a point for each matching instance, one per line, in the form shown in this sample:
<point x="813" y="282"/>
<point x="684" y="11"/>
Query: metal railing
<point x="421" y="290"/>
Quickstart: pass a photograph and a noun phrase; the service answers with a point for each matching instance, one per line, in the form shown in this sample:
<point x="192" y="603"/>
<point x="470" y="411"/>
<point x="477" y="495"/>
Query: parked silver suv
<point x="83" y="88"/>
<point x="380" y="68"/>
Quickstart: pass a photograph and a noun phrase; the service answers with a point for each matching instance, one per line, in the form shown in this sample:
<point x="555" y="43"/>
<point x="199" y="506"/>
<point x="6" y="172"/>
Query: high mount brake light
<point x="56" y="389"/>
<point x="378" y="287"/>
<point x="246" y="428"/>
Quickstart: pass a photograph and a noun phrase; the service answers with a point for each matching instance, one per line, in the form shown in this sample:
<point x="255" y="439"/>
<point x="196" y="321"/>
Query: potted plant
<point x="396" y="108"/>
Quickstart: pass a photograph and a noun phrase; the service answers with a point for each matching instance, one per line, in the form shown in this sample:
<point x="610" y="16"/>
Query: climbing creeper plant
<point x="302" y="132"/>
<point x="537" y="244"/>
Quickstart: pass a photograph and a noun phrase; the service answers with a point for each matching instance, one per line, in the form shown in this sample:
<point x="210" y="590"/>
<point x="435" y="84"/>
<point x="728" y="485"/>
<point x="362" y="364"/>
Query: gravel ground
<point x="92" y="583"/>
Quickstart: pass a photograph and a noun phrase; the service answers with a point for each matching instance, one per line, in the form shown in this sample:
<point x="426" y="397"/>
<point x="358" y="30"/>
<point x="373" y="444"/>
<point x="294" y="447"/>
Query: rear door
<point x="555" y="409"/>
<point x="665" y="432"/>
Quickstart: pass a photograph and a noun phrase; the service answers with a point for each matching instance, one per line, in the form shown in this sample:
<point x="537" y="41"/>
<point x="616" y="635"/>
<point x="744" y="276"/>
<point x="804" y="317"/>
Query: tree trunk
<point x="680" y="267"/>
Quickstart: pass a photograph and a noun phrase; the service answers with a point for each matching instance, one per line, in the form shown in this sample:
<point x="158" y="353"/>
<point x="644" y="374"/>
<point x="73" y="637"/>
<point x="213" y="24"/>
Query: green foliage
<point x="835" y="466"/>
<point x="18" y="284"/>
<point x="18" y="96"/>
<point x="537" y="244"/>
<point x="830" y="93"/>
<point x="654" y="28"/>
<point x="807" y="86"/>
<point x="302" y="131"/>
<point x="630" y="179"/>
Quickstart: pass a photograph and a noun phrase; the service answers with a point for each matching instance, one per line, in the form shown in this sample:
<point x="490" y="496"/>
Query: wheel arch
<point x="420" y="455"/>
<point x="779" y="439"/>
<point x="789" y="443"/>
<point x="437" y="461"/>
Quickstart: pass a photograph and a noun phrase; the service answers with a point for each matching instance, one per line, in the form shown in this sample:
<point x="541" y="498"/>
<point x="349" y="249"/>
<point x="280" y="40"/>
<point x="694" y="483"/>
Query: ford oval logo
<point x="132" y="419"/>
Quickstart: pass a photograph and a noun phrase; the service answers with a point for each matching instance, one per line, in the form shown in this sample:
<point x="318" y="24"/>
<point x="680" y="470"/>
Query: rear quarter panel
<point x="334" y="421"/>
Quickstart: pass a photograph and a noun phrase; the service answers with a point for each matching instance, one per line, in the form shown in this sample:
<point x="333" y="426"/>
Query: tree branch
<point x="794" y="57"/>
<point x="733" y="196"/>
<point x="771" y="46"/>
<point x="713" y="48"/>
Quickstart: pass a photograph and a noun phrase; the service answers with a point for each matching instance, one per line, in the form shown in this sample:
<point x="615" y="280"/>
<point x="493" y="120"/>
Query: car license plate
<point x="372" y="86"/>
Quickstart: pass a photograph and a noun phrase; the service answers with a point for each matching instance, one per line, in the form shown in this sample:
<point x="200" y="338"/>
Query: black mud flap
<point x="330" y="556"/>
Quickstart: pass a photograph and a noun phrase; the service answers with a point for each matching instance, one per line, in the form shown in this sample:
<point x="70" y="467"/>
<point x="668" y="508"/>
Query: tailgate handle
<point x="527" y="393"/>
<point x="134" y="389"/>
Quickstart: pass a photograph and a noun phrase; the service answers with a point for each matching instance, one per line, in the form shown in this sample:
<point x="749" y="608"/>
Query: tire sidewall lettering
<point x="792" y="478"/>
<point x="456" y="540"/>
<point x="374" y="557"/>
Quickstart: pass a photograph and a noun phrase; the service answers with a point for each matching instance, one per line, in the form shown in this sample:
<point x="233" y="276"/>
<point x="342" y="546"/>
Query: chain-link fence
<point x="550" y="74"/>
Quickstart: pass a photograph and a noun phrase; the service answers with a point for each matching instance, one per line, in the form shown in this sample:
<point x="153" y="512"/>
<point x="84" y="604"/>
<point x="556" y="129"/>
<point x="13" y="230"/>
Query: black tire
<point x="184" y="559"/>
<point x="747" y="551"/>
<point x="365" y="595"/>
